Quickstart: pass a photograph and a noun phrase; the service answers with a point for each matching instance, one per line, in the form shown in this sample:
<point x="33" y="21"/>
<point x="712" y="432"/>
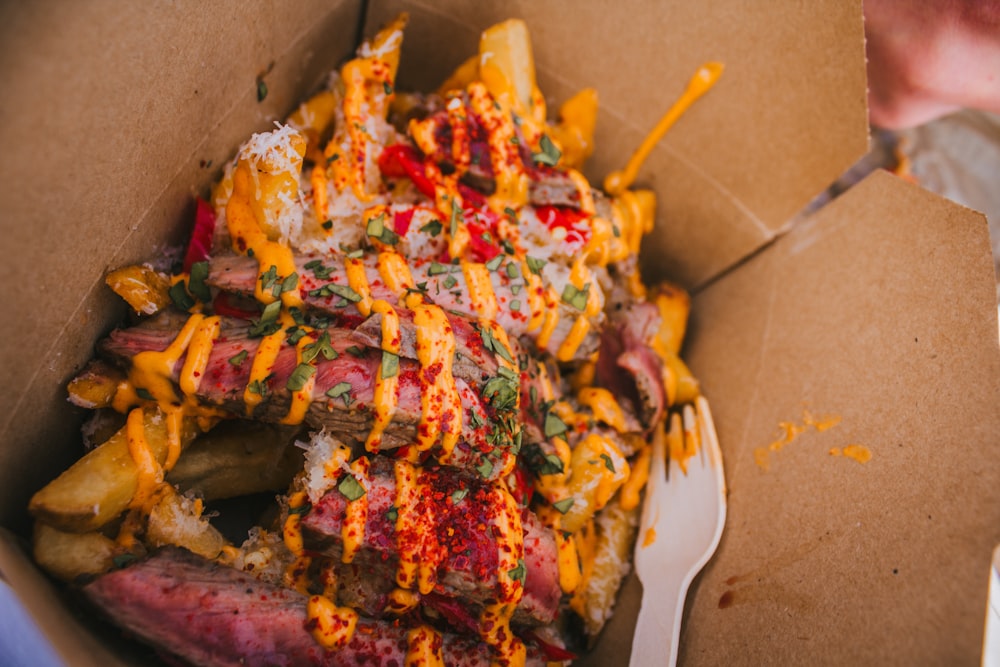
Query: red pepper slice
<point x="401" y="221"/>
<point x="565" y="217"/>
<point x="402" y="161"/>
<point x="223" y="305"/>
<point x="200" y="246"/>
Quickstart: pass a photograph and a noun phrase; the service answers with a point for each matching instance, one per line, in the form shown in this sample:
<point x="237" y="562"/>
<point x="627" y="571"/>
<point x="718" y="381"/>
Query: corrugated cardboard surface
<point x="113" y="116"/>
<point x="879" y="310"/>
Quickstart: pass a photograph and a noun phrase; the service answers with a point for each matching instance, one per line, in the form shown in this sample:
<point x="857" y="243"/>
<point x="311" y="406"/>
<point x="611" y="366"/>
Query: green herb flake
<point x="549" y="154"/>
<point x="144" y="394"/>
<point x="485" y="469"/>
<point x="319" y="347"/>
<point x="576" y="297"/>
<point x="436" y="269"/>
<point x="515" y="305"/>
<point x="238" y="359"/>
<point x="456" y="213"/>
<point x="121" y="560"/>
<point x="535" y="265"/>
<point x="494" y="263"/>
<point x="300" y="510"/>
<point x="458" y="495"/>
<point x="376" y="226"/>
<point x="289" y="283"/>
<point x="608" y="463"/>
<point x="355" y="351"/>
<point x="512" y="271"/>
<point x="519" y="572"/>
<point x="269" y="277"/>
<point x="258" y="387"/>
<point x="495" y="346"/>
<point x="554" y="425"/>
<point x="392" y="514"/>
<point x="341" y="390"/>
<point x="197" y="284"/>
<point x="350" y="487"/>
<point x="261" y="90"/>
<point x="552" y="465"/>
<point x="180" y="297"/>
<point x="432" y="228"/>
<point x="563" y="505"/>
<point x="449" y="282"/>
<point x="294" y="334"/>
<point x="390" y="365"/>
<point x="299" y="377"/>
<point x="510" y="212"/>
<point x="387" y="87"/>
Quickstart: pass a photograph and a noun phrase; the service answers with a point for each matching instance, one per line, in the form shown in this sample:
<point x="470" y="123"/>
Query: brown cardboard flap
<point x="113" y="118"/>
<point x="785" y="120"/>
<point x="880" y="312"/>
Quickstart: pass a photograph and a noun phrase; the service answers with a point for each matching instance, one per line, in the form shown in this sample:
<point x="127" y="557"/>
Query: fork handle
<point x="658" y="627"/>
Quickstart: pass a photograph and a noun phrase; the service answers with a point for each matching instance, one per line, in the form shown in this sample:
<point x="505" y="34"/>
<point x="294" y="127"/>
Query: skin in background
<point x="929" y="58"/>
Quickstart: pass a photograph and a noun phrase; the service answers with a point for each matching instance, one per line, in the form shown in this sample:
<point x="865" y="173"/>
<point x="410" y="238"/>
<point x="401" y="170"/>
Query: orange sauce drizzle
<point x="386" y="388"/>
<point x="424" y="647"/>
<point x="353" y="529"/>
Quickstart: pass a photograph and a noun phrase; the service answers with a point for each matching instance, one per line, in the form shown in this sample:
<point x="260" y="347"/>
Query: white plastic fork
<point x="682" y="520"/>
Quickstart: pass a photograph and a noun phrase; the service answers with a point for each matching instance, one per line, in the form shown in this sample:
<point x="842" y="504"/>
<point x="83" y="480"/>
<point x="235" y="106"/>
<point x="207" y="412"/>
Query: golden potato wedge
<point x="616" y="532"/>
<point x="147" y="291"/>
<point x="674" y="304"/>
<point x="178" y="520"/>
<point x="100" y="486"/>
<point x="68" y="556"/>
<point x="238" y="458"/>
<point x="96" y="385"/>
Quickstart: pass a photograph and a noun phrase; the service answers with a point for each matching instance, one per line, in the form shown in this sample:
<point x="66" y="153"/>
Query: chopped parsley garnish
<point x="458" y="495"/>
<point x="387" y="87"/>
<point x="551" y="465"/>
<point x="321" y="272"/>
<point x="238" y="359"/>
<point x="563" y="505"/>
<point x="501" y="392"/>
<point x="343" y="291"/>
<point x="261" y="90"/>
<point x="180" y="297"/>
<point x="268" y="322"/>
<point x="554" y="425"/>
<point x="350" y="487"/>
<point x="535" y="265"/>
<point x="515" y="305"/>
<point x="392" y="514"/>
<point x="510" y="212"/>
<point x="121" y="560"/>
<point x="269" y="277"/>
<point x="197" y="285"/>
<point x="433" y="227"/>
<point x="294" y="334"/>
<point x="475" y="420"/>
<point x="436" y="269"/>
<point x="297" y="315"/>
<point x="390" y="364"/>
<point x="495" y="346"/>
<point x="355" y="351"/>
<point x="608" y="463"/>
<point x="327" y="225"/>
<point x="576" y="297"/>
<point x="453" y="223"/>
<point x="377" y="229"/>
<point x="144" y="394"/>
<point x="519" y="572"/>
<point x="449" y="282"/>
<point x="319" y="347"/>
<point x="286" y="285"/>
<point x="299" y="377"/>
<point x="258" y="387"/>
<point x="300" y="510"/>
<point x="341" y="390"/>
<point x="549" y="155"/>
<point x="494" y="263"/>
<point x="357" y="253"/>
<point x="512" y="271"/>
<point x="485" y="468"/>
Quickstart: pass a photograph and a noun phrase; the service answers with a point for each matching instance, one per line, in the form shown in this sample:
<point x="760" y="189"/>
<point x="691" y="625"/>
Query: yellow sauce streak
<point x="604" y="406"/>
<point x="639" y="475"/>
<point x="174" y="416"/>
<point x="702" y="81"/>
<point x="321" y="198"/>
<point x="152" y="370"/>
<point x="149" y="474"/>
<point x="263" y="363"/>
<point x="357" y="280"/>
<point x="534" y="294"/>
<point x="302" y="398"/>
<point x="581" y="277"/>
<point x="494" y="622"/>
<point x="332" y="626"/>
<point x="480" y="287"/>
<point x="415" y="569"/>
<point x="386" y="388"/>
<point x="649" y="537"/>
<point x="248" y="236"/>
<point x="401" y="601"/>
<point x="198" y="352"/>
<point x="859" y="453"/>
<point x="353" y="530"/>
<point x="424" y="648"/>
<point x="583" y="188"/>
<point x="511" y="180"/>
<point x="441" y="405"/>
<point x="395" y="272"/>
<point x="551" y="318"/>
<point x="568" y="561"/>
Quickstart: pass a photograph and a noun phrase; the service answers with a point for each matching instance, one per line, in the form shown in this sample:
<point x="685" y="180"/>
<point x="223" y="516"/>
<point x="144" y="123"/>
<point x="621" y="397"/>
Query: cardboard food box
<point x="874" y="316"/>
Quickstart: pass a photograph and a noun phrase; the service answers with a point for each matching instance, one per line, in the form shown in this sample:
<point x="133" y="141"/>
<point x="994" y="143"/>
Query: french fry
<point x="507" y="65"/>
<point x="688" y="387"/>
<point x="612" y="552"/>
<point x="95" y="387"/>
<point x="236" y="459"/>
<point x="142" y="288"/>
<point x="598" y="470"/>
<point x="674" y="304"/>
<point x="100" y="486"/>
<point x="177" y="520"/>
<point x="69" y="556"/>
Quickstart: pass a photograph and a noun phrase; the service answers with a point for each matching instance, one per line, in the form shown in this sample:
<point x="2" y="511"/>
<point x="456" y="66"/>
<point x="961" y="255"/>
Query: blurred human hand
<point x="928" y="58"/>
